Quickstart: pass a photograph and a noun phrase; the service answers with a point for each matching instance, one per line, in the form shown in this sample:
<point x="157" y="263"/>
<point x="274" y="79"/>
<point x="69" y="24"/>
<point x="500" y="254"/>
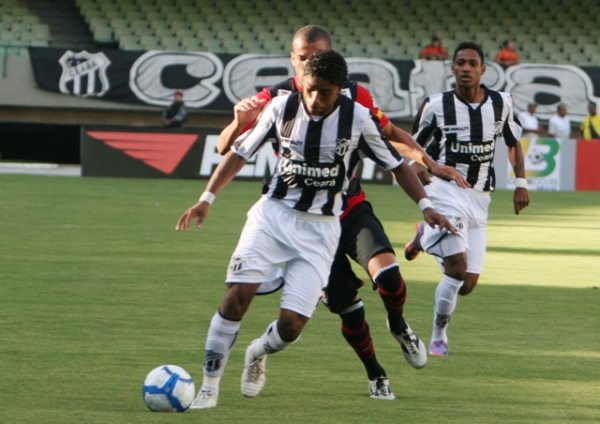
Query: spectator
<point x="434" y="50"/>
<point x="529" y="122"/>
<point x="176" y="113"/>
<point x="507" y="55"/>
<point x="559" y="125"/>
<point x="590" y="127"/>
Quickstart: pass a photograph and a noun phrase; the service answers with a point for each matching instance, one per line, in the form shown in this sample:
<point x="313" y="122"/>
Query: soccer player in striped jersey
<point x="461" y="126"/>
<point x="320" y="136"/>
<point x="363" y="237"/>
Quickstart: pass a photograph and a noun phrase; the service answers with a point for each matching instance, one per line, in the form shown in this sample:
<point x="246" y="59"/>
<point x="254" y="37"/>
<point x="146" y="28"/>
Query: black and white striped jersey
<point x="316" y="155"/>
<point x="463" y="135"/>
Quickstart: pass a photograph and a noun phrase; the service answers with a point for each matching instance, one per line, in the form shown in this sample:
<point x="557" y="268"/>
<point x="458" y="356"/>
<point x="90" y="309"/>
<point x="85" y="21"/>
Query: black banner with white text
<point x="215" y="82"/>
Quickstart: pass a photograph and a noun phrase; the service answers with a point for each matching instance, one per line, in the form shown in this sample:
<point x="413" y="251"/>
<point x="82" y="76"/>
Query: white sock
<point x="446" y="296"/>
<point x="269" y="342"/>
<point x="219" y="341"/>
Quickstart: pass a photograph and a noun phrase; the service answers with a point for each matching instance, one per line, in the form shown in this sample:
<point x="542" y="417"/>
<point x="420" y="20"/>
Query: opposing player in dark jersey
<point x="363" y="237"/>
<point x="460" y="128"/>
<point x="292" y="232"/>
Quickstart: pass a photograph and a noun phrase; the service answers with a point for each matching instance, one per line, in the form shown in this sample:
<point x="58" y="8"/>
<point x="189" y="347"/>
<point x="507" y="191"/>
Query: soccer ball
<point x="168" y="388"/>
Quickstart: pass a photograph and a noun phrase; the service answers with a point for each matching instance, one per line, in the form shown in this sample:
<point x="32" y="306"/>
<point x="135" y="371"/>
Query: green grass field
<point x="96" y="289"/>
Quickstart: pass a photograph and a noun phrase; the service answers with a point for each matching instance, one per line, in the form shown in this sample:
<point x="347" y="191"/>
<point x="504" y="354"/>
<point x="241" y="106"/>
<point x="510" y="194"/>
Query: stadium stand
<point x="545" y="31"/>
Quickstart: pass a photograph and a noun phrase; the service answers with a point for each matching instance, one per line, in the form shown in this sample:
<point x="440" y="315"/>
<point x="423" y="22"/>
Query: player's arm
<point x="223" y="174"/>
<point x="405" y="144"/>
<point x="245" y="113"/>
<point x="245" y="147"/>
<point x="379" y="150"/>
<point x="408" y="180"/>
<point x="409" y="148"/>
<point x="511" y="133"/>
<point x="517" y="161"/>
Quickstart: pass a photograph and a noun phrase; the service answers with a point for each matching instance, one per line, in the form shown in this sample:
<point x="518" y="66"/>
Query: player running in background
<point x="462" y="126"/>
<point x="319" y="135"/>
<point x="363" y="237"/>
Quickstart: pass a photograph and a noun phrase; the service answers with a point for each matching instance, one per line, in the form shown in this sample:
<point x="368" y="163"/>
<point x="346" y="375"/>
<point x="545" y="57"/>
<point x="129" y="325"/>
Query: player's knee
<point x="455" y="266"/>
<point x="469" y="284"/>
<point x="353" y="316"/>
<point x="236" y="301"/>
<point x="337" y="302"/>
<point x="290" y="326"/>
<point x="388" y="278"/>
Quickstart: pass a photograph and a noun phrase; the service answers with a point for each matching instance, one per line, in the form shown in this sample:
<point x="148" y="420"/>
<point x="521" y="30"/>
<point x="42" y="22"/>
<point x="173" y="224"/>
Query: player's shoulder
<point x="283" y="88"/>
<point x="505" y="95"/>
<point x="280" y="102"/>
<point x="434" y="101"/>
<point x="360" y="110"/>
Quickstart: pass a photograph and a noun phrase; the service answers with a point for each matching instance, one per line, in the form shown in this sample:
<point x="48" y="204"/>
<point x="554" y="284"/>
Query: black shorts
<point x="362" y="238"/>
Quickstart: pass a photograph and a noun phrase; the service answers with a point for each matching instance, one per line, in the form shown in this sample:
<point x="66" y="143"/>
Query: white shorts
<point x="467" y="210"/>
<point x="280" y="245"/>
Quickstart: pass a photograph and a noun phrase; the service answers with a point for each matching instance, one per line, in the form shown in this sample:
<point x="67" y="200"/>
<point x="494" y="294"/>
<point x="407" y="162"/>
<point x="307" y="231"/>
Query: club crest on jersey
<point x="341" y="146"/>
<point x="457" y="221"/>
<point x="236" y="264"/>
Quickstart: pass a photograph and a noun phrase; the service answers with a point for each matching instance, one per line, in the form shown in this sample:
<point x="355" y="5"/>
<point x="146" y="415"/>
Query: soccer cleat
<point x="254" y="375"/>
<point x="412" y="347"/>
<point x="438" y="348"/>
<point x="205" y="399"/>
<point x="380" y="389"/>
<point x="413" y="248"/>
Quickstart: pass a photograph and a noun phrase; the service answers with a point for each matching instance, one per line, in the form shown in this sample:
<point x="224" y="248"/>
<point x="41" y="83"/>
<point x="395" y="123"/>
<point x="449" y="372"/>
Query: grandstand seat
<point x="170" y="43"/>
<point x="150" y="42"/>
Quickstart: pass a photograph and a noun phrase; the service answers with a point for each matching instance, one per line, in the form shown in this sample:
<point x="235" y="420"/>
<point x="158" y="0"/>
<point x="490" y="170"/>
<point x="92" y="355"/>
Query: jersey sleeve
<point x="425" y="123"/>
<point x="376" y="147"/>
<point x="249" y="142"/>
<point x="512" y="128"/>
<point x="363" y="97"/>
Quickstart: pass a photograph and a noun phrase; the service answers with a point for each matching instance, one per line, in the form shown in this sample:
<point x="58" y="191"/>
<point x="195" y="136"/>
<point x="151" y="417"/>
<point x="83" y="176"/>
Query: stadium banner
<point x="215" y="82"/>
<point x="587" y="171"/>
<point x="542" y="164"/>
<point x="112" y="151"/>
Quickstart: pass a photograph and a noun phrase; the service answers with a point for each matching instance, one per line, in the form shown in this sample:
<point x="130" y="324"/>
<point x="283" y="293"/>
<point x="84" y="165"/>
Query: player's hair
<point x="313" y="33"/>
<point x="471" y="45"/>
<point x="329" y="65"/>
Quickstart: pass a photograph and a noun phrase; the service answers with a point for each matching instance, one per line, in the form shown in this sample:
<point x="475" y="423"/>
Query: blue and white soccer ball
<point x="168" y="388"/>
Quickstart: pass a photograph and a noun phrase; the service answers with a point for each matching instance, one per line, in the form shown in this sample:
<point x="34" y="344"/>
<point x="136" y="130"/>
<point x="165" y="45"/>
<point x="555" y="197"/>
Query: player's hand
<point x="198" y="211"/>
<point x="247" y="110"/>
<point x="449" y="173"/>
<point x="433" y="218"/>
<point x="520" y="199"/>
<point x="422" y="173"/>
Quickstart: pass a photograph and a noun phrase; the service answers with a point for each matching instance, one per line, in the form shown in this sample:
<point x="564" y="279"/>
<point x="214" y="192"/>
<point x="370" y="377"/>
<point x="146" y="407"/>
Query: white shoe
<point x="254" y="375"/>
<point x="205" y="399"/>
<point x="413" y="348"/>
<point x="380" y="389"/>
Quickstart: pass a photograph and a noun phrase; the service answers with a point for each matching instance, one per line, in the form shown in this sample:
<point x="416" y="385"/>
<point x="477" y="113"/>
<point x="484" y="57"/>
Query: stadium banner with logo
<point x="110" y="151"/>
<point x="215" y="82"/>
<point x="548" y="166"/>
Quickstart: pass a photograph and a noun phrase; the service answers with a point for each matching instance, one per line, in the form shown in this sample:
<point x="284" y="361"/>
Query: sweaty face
<point x="467" y="68"/>
<point x="319" y="95"/>
<point x="301" y="50"/>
